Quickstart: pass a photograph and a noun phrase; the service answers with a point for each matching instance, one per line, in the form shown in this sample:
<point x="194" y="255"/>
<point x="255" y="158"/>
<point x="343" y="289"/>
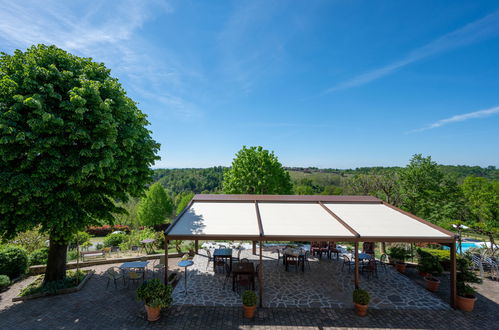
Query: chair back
<point x="346" y="259"/>
<point x="112" y="273"/>
<point x="239" y="254"/>
<point x="162" y="260"/>
<point x="134" y="275"/>
<point x="257" y="270"/>
<point x="244" y="260"/>
<point x="227" y="270"/>
<point x="383" y="258"/>
<point x="208" y="253"/>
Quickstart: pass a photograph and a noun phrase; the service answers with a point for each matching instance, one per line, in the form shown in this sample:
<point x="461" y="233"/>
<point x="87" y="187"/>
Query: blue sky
<point x="322" y="83"/>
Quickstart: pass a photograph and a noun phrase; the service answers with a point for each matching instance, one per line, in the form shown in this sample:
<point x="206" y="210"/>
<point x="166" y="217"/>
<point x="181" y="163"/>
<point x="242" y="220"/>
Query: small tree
<point x="155" y="207"/>
<point x="71" y="144"/>
<point x="256" y="171"/>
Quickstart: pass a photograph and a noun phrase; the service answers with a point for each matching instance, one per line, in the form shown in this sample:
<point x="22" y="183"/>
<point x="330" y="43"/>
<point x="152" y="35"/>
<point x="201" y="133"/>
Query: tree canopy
<point x="256" y="171"/>
<point x="71" y="144"/>
<point x="155" y="207"/>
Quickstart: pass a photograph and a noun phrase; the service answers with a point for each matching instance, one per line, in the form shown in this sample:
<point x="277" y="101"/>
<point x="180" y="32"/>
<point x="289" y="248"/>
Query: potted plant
<point x="361" y="300"/>
<point x="155" y="296"/>
<point x="431" y="267"/>
<point x="399" y="254"/>
<point x="249" y="303"/>
<point x="466" y="298"/>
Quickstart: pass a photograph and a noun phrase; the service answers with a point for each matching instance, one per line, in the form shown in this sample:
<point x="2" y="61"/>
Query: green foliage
<point x="72" y="255"/>
<point x="80" y="238"/>
<point x="256" y="171"/>
<point x="39" y="257"/>
<point x="114" y="239"/>
<point x="4" y="281"/>
<point x="465" y="275"/>
<point x="135" y="236"/>
<point x="71" y="280"/>
<point x="71" y="143"/>
<point x="249" y="298"/>
<point x="182" y="200"/>
<point x="155" y="207"/>
<point x="178" y="245"/>
<point x="31" y="240"/>
<point x="399" y="253"/>
<point x="361" y="297"/>
<point x="429" y="263"/>
<point x="129" y="218"/>
<point x="186" y="180"/>
<point x="443" y="256"/>
<point x="13" y="260"/>
<point x="155" y="294"/>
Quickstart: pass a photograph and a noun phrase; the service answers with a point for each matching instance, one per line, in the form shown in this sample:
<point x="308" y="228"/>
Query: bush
<point x="13" y="261"/>
<point x="4" y="281"/>
<point x="155" y="294"/>
<point x="114" y="239"/>
<point x="135" y="237"/>
<point x="39" y="257"/>
<point x="429" y="263"/>
<point x="361" y="297"/>
<point x="398" y="253"/>
<point x="72" y="255"/>
<point x="442" y="255"/>
<point x="249" y="298"/>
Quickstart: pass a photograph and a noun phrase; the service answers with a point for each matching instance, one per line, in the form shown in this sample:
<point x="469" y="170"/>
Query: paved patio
<point x="323" y="285"/>
<point x="98" y="307"/>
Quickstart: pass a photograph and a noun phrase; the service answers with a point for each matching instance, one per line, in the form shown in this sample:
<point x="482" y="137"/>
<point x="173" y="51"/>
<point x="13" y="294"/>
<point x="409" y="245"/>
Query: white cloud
<point x="108" y="32"/>
<point x="484" y="28"/>
<point x="459" y="118"/>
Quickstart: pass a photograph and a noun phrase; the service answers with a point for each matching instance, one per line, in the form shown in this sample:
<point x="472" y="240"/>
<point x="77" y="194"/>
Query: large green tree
<point x="155" y="207"/>
<point x="482" y="198"/>
<point x="256" y="171"/>
<point x="71" y="144"/>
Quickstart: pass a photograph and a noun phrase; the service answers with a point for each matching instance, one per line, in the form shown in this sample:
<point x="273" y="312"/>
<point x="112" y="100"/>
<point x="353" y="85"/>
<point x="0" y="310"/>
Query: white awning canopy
<point x="301" y="218"/>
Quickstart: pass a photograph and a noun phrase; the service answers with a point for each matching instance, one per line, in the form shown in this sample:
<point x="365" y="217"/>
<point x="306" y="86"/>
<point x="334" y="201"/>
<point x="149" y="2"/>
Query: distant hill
<point x="330" y="181"/>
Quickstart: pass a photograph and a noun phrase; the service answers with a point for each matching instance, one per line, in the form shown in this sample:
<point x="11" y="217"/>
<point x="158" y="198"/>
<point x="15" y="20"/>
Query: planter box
<point x="61" y="291"/>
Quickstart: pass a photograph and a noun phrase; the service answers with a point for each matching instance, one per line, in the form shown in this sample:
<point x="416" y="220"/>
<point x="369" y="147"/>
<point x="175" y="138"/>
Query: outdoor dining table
<point x="243" y="268"/>
<point x="222" y="254"/>
<point x="147" y="245"/>
<point x="135" y="264"/>
<point x="294" y="253"/>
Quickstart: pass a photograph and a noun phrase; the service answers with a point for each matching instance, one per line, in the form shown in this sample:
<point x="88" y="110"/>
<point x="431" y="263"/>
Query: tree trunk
<point x="383" y="247"/>
<point x="56" y="263"/>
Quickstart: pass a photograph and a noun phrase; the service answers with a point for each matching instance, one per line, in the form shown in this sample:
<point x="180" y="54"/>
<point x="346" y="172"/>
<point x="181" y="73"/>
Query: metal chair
<point x="383" y="260"/>
<point x="243" y="260"/>
<point x="305" y="259"/>
<point x="238" y="258"/>
<point x="133" y="275"/>
<point x="160" y="266"/>
<point x="210" y="258"/>
<point x="492" y="267"/>
<point x="227" y="274"/>
<point x="279" y="257"/>
<point x="348" y="262"/>
<point x="114" y="274"/>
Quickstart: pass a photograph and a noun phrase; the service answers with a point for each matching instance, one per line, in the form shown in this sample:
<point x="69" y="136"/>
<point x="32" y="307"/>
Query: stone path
<point x="323" y="285"/>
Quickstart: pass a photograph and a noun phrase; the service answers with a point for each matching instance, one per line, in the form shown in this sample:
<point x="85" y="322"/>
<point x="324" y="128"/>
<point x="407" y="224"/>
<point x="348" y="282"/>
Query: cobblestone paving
<point x="98" y="307"/>
<point x="324" y="285"/>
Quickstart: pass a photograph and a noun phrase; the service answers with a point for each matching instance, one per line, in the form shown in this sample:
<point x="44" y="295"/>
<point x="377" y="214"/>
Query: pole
<point x="254" y="247"/>
<point x="453" y="278"/>
<point x="356" y="265"/>
<point x="166" y="261"/>
<point x="196" y="246"/>
<point x="260" y="276"/>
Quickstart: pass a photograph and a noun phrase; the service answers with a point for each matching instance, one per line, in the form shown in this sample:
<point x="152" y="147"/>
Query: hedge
<point x="39" y="257"/>
<point x="442" y="255"/>
<point x="13" y="261"/>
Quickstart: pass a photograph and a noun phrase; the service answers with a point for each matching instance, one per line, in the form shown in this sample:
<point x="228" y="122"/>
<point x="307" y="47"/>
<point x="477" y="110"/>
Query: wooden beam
<point x="254" y="247"/>
<point x="453" y="275"/>
<point x="196" y="246"/>
<point x="166" y="261"/>
<point x="356" y="247"/>
<point x="260" y="276"/>
<point x="259" y="218"/>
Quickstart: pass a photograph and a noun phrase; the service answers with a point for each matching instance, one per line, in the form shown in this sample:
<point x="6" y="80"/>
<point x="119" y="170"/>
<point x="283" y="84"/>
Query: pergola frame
<point x="448" y="240"/>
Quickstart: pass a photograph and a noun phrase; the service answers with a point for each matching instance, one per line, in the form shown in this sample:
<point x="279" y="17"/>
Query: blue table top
<point x="134" y="264"/>
<point x="185" y="263"/>
<point x="222" y="252"/>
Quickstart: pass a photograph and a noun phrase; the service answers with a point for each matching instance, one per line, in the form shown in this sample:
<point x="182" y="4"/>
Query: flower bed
<point x="73" y="282"/>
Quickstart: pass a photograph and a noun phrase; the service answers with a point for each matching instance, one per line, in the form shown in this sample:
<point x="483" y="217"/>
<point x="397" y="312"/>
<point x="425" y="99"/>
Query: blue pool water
<point x="465" y="246"/>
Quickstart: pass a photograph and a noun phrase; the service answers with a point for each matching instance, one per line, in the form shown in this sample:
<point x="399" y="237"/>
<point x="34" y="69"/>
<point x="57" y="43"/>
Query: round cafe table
<point x="185" y="264"/>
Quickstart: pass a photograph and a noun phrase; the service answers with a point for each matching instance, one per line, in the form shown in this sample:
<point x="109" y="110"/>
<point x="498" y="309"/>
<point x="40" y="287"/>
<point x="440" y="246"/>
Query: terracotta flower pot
<point x="249" y="311"/>
<point x="423" y="274"/>
<point x="400" y="266"/>
<point x="361" y="310"/>
<point x="153" y="313"/>
<point x="465" y="304"/>
<point x="432" y="283"/>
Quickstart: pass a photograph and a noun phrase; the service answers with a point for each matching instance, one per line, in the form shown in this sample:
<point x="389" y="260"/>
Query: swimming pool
<point x="465" y="246"/>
